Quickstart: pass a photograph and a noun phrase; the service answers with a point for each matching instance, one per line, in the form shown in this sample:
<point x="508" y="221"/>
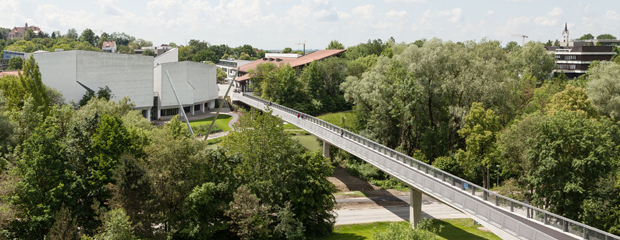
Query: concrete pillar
<point x="212" y="104"/>
<point x="415" y="207"/>
<point x="325" y="149"/>
<point x="191" y="109"/>
<point x="202" y="107"/>
<point x="253" y="112"/>
<point x="148" y="114"/>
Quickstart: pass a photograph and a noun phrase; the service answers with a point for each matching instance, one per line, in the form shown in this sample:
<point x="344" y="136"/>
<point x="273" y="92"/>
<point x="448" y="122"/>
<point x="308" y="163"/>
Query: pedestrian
<point x="341" y="133"/>
<point x="297" y="115"/>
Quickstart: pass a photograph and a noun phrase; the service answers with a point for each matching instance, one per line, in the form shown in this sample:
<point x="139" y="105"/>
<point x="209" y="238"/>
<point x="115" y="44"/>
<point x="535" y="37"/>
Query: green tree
<point x="572" y="99"/>
<point x="15" y="63"/>
<point x="29" y="35"/>
<point x="149" y="52"/>
<point x="287" y="50"/>
<point x="117" y="226"/>
<point x="549" y="43"/>
<point x="281" y="165"/>
<point x="244" y="56"/>
<point x="604" y="88"/>
<point x="71" y="34"/>
<point x="88" y="36"/>
<point x="249" y="217"/>
<point x="556" y="43"/>
<point x="139" y="43"/>
<point x="259" y="74"/>
<point x="587" y="36"/>
<point x="321" y="83"/>
<point x="65" y="226"/>
<point x="512" y="46"/>
<point x="533" y="60"/>
<point x="221" y="75"/>
<point x="568" y="156"/>
<point x="225" y="56"/>
<point x="31" y="81"/>
<point x="480" y="133"/>
<point x="605" y="36"/>
<point x="334" y="44"/>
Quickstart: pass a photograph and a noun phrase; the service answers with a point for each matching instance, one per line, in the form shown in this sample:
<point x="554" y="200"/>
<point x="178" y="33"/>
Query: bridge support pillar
<point x="325" y="149"/>
<point x="253" y="109"/>
<point x="415" y="207"/>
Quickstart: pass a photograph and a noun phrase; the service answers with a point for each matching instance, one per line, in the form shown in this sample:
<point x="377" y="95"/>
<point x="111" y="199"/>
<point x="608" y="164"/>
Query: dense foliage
<point x="101" y="170"/>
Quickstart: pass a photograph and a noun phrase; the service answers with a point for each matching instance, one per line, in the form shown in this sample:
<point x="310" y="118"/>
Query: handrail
<point x="486" y="194"/>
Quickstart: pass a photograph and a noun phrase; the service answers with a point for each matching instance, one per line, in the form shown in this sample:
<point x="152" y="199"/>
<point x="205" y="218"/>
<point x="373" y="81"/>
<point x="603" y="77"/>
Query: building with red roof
<point x="294" y="60"/>
<point x="20" y="32"/>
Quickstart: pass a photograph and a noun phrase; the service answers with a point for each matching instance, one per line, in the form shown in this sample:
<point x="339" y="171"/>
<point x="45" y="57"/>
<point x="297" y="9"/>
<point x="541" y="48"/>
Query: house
<point x="230" y="66"/>
<point x="574" y="57"/>
<point x="294" y="60"/>
<point x="158" y="49"/>
<point x="20" y="32"/>
<point x="10" y="72"/>
<point x="108" y="46"/>
<point x="141" y="78"/>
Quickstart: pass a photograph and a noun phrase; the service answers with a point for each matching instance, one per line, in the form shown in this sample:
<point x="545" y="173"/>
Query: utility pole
<point x="304" y="43"/>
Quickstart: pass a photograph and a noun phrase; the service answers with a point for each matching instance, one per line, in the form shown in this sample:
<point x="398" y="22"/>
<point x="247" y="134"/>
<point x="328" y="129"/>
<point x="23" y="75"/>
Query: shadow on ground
<point x="346" y="236"/>
<point x="452" y="232"/>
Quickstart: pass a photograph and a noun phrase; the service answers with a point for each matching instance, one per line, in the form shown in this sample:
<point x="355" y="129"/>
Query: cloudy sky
<point x="275" y="24"/>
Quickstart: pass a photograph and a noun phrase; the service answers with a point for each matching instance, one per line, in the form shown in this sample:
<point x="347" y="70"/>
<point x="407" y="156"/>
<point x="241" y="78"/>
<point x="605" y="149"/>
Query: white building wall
<point x="58" y="70"/>
<point x="126" y="75"/>
<point x="167" y="57"/>
<point x="195" y="83"/>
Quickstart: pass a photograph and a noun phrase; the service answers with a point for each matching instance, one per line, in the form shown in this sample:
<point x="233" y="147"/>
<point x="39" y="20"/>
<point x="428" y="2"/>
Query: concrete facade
<point x="194" y="82"/>
<point x="126" y="75"/>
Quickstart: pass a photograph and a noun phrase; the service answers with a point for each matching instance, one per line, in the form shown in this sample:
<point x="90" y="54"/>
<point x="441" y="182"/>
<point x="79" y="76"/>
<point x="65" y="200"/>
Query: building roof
<point x="10" y="72"/>
<point x="108" y="44"/>
<point x="293" y="62"/>
<point x="21" y="30"/>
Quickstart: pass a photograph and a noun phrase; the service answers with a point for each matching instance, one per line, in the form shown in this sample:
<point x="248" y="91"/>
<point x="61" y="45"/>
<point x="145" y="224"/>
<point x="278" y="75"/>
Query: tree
<point x="605" y="36"/>
<point x="104" y="93"/>
<point x="149" y="52"/>
<point x="249" y="218"/>
<point x="117" y="226"/>
<point x="244" y="56"/>
<point x="587" y="36"/>
<point x="287" y="50"/>
<point x="549" y="43"/>
<point x="569" y="154"/>
<point x="225" y="56"/>
<point x="512" y="46"/>
<point x="140" y="43"/>
<point x="71" y="34"/>
<point x="281" y="165"/>
<point x="221" y="75"/>
<point x="31" y="81"/>
<point x="533" y="60"/>
<point x="556" y="43"/>
<point x="172" y="44"/>
<point x="15" y="63"/>
<point x="334" y="44"/>
<point x="572" y="99"/>
<point x="88" y="36"/>
<point x="65" y="226"/>
<point x="480" y="133"/>
<point x="604" y="88"/>
<point x="29" y="35"/>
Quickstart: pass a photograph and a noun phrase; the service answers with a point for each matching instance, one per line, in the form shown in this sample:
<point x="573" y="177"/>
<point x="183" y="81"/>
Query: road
<point x="430" y="209"/>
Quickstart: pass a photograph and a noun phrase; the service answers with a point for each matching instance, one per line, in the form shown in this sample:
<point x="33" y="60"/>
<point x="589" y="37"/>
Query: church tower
<point x="565" y="38"/>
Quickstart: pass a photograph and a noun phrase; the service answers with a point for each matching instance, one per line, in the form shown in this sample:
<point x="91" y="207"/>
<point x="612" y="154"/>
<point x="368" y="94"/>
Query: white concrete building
<point x="125" y="74"/>
<point x="230" y="65"/>
<point x="195" y="84"/>
<point x="141" y="78"/>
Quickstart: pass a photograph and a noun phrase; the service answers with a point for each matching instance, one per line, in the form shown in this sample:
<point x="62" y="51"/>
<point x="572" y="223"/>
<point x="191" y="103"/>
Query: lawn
<point x="340" y="119"/>
<point x="222" y="122"/>
<point x="453" y="229"/>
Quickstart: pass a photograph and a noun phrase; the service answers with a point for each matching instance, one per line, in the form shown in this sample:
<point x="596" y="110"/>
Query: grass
<point x="354" y="193"/>
<point x="222" y="122"/>
<point x="290" y="126"/>
<point x="453" y="229"/>
<point x="341" y="119"/>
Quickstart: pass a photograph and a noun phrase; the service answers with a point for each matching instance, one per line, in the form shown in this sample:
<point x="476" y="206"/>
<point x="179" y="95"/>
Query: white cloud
<point x="555" y="12"/>
<point x="491" y="13"/>
<point x="364" y="12"/>
<point x="518" y="0"/>
<point x="453" y="15"/>
<point x="396" y="14"/>
<point x="405" y="1"/>
<point x="343" y="15"/>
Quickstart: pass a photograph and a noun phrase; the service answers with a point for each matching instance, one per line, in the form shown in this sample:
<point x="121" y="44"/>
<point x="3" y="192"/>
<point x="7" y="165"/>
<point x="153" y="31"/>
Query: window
<point x="169" y="112"/>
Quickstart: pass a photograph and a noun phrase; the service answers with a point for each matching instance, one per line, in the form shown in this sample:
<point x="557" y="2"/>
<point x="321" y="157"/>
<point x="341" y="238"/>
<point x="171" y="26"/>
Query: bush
<point x="402" y="230"/>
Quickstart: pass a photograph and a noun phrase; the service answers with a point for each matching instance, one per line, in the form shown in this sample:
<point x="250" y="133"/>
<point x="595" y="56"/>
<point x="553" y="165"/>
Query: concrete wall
<point x="167" y="57"/>
<point x="194" y="82"/>
<point x="126" y="75"/>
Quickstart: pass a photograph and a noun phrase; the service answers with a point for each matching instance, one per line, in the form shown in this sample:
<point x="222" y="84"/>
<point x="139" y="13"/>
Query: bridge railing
<point x="520" y="208"/>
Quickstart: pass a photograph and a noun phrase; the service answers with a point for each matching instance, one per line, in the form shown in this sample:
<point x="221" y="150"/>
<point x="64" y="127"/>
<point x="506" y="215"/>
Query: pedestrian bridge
<point x="507" y="218"/>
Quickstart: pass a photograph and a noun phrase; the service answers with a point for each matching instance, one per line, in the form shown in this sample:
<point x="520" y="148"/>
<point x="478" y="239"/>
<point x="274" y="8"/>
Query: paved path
<point x="431" y="208"/>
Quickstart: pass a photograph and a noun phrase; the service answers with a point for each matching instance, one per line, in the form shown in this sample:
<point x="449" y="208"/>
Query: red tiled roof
<point x="294" y="62"/>
<point x="108" y="44"/>
<point x="10" y="72"/>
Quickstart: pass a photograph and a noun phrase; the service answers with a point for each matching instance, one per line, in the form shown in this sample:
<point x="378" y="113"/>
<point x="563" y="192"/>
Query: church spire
<point x="566" y="26"/>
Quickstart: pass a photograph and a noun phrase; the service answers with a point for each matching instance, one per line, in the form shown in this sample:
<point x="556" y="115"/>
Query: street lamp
<point x="497" y="175"/>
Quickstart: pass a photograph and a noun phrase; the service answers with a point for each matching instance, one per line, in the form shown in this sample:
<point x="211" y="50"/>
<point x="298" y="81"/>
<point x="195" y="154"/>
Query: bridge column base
<point x="253" y="109"/>
<point x="415" y="207"/>
<point x="325" y="149"/>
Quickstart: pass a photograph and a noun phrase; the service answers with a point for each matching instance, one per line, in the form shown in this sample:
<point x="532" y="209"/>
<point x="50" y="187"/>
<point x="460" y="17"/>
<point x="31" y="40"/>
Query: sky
<point x="276" y="24"/>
